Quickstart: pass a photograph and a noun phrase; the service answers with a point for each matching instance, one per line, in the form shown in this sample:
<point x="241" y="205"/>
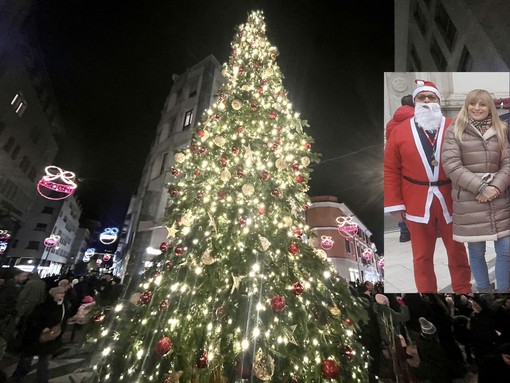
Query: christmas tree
<point x="238" y="293"/>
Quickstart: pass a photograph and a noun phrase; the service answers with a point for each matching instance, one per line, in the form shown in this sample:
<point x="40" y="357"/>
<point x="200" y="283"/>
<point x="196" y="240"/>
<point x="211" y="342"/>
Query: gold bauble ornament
<point x="263" y="366"/>
<point x="245" y="87"/>
<point x="280" y="163"/>
<point x="220" y="141"/>
<point x="268" y="72"/>
<point x="248" y="189"/>
<point x="225" y="175"/>
<point x="305" y="161"/>
<point x="334" y="310"/>
<point x="135" y="298"/>
<point x="186" y="219"/>
<point x="287" y="221"/>
<point x="207" y="258"/>
<point x="236" y="104"/>
<point x="180" y="158"/>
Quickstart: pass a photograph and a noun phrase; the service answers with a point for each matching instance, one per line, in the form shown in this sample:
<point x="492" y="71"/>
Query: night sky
<point x="111" y="64"/>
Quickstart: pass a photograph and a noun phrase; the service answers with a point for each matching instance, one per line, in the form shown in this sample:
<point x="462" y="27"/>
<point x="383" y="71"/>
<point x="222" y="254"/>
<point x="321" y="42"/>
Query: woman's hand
<point x="488" y="194"/>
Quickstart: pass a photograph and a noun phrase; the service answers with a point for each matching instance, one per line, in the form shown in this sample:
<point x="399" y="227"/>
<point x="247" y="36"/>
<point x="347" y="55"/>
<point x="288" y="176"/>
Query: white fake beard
<point x="428" y="116"/>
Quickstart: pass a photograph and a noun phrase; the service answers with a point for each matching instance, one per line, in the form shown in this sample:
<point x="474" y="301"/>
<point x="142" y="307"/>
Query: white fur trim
<point x="426" y="88"/>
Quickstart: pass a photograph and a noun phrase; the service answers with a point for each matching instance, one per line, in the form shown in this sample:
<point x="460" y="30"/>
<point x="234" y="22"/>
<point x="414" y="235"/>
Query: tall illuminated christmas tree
<point x="238" y="294"/>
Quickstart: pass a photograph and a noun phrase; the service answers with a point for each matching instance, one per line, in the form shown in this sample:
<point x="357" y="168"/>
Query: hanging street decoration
<point x="109" y="235"/>
<point x="3" y="247"/>
<point x="346" y="227"/>
<point x="5" y="235"/>
<point x="107" y="257"/>
<point x="52" y="240"/>
<point x="381" y="263"/>
<point x="57" y="184"/>
<point x="326" y="242"/>
<point x="367" y="254"/>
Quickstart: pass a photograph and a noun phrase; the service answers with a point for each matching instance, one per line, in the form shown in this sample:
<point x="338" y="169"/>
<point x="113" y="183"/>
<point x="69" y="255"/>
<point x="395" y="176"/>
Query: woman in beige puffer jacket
<point x="476" y="157"/>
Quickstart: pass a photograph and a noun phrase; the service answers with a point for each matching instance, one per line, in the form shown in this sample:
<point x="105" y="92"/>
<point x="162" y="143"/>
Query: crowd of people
<point x="451" y="178"/>
<point x="35" y="313"/>
<point x="454" y="336"/>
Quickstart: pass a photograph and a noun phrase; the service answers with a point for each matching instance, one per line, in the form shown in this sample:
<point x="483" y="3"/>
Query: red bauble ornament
<point x="276" y="193"/>
<point x="235" y="150"/>
<point x="240" y="173"/>
<point x="253" y="107"/>
<point x="348" y="321"/>
<point x="308" y="146"/>
<point x="155" y="275"/>
<point x="265" y="144"/>
<point x="179" y="250"/>
<point x="273" y="114"/>
<point x="330" y="369"/>
<point x="239" y="130"/>
<point x="99" y="318"/>
<point x="294" y="167"/>
<point x="274" y="148"/>
<point x="277" y="303"/>
<point x="203" y="151"/>
<point x="349" y="352"/>
<point x="146" y="297"/>
<point x="297" y="288"/>
<point x="300" y="179"/>
<point x="222" y="195"/>
<point x="265" y="175"/>
<point x="217" y="117"/>
<point x="163" y="247"/>
<point x="242" y="221"/>
<point x="164" y="345"/>
<point x="306" y="206"/>
<point x="174" y="172"/>
<point x="163" y="305"/>
<point x="202" y="360"/>
<point x="193" y="148"/>
<point x="200" y="133"/>
<point x="293" y="248"/>
<point x="261" y="210"/>
<point x="169" y="265"/>
<point x="223" y="161"/>
<point x="197" y="172"/>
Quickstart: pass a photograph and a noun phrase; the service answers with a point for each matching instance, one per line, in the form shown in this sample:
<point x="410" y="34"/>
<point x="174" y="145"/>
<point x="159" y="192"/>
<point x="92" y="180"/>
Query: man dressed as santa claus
<point x="417" y="189"/>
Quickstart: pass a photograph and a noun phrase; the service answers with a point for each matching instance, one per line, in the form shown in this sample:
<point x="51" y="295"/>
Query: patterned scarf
<point x="483" y="125"/>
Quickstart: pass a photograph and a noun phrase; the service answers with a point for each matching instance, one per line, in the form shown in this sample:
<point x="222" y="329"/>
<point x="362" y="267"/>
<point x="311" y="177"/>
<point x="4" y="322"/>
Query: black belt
<point x="427" y="183"/>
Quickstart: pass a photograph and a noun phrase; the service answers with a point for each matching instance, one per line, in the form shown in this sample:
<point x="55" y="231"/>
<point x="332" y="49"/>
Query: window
<point x="9" y="144"/>
<point x="193" y="86"/>
<point x="465" y="61"/>
<point x="163" y="163"/>
<point x="19" y="104"/>
<point x="187" y="119"/>
<point x="32" y="173"/>
<point x="437" y="55"/>
<point x="24" y="164"/>
<point x="41" y="227"/>
<point x="33" y="245"/>
<point x="415" y="60"/>
<point x="445" y="26"/>
<point x="420" y="19"/>
<point x="15" y="152"/>
<point x="48" y="210"/>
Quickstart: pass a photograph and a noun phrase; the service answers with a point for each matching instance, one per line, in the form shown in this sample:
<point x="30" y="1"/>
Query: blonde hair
<point x="462" y="120"/>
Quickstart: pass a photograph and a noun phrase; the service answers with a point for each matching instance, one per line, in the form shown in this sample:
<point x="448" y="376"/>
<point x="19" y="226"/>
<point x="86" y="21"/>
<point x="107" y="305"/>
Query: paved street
<point x="398" y="262"/>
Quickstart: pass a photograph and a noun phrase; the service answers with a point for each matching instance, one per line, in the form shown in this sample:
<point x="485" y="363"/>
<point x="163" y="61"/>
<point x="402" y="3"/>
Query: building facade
<point x="354" y="256"/>
<point x="451" y="35"/>
<point x="29" y="118"/>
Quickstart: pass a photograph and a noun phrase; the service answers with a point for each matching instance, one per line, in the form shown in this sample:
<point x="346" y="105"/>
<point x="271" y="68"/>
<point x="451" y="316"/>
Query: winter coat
<point x="466" y="163"/>
<point x="389" y="320"/>
<point x="33" y="293"/>
<point x="402" y="113"/>
<point x="45" y="315"/>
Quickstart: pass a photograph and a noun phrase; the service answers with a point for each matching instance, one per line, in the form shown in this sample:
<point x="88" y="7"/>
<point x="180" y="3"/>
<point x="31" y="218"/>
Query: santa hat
<point x="87" y="299"/>
<point x="427" y="328"/>
<point x="426" y="86"/>
<point x="382" y="299"/>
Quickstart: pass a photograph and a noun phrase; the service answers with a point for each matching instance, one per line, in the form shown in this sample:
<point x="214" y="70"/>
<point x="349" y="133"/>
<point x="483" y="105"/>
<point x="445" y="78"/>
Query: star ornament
<point x="172" y="231"/>
<point x="237" y="282"/>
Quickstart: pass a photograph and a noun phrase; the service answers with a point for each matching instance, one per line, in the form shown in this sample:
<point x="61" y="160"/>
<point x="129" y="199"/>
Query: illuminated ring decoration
<point x="107" y="257"/>
<point x="86" y="258"/>
<point x="367" y="254"/>
<point x="109" y="235"/>
<point x="89" y="252"/>
<point x="5" y="235"/>
<point x="3" y="247"/>
<point x="326" y="242"/>
<point x="52" y="240"/>
<point x="346" y="227"/>
<point x="47" y="182"/>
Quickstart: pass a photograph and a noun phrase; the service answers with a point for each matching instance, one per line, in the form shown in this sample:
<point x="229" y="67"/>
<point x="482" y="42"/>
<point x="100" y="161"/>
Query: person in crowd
<point x="403" y="113"/>
<point x="417" y="190"/>
<point x="502" y="317"/>
<point x="82" y="316"/>
<point x="476" y="157"/>
<point x="434" y="362"/>
<point x="370" y="334"/>
<point x="496" y="369"/>
<point x="484" y="337"/>
<point x="48" y="314"/>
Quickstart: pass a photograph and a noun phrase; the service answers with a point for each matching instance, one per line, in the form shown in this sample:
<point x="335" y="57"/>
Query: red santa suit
<point x="424" y="193"/>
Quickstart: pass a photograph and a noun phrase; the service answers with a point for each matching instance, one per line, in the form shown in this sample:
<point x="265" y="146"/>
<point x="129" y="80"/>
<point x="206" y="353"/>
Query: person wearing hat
<point x="496" y="369"/>
<point x="42" y="319"/>
<point x="417" y="190"/>
<point x="476" y="157"/>
<point x="435" y="365"/>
